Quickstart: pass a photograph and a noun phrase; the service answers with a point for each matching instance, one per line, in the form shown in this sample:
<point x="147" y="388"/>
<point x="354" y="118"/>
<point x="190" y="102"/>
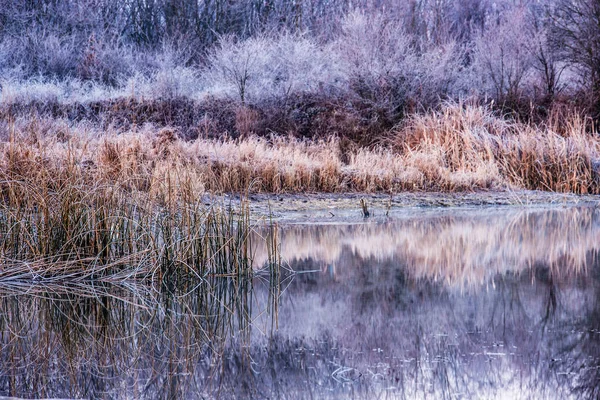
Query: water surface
<point x="453" y="303"/>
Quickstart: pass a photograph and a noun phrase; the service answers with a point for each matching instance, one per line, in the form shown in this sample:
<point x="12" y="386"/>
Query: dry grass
<point x="467" y="147"/>
<point x="73" y="196"/>
<point x="455" y="149"/>
<point x="111" y="208"/>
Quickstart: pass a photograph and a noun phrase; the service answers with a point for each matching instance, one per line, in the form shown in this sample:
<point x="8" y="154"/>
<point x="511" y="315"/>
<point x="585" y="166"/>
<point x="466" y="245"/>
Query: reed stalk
<point x="59" y="221"/>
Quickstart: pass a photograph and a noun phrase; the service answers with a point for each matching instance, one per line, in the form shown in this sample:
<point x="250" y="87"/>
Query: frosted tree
<point x="502" y="56"/>
<point x="576" y="38"/>
<point x="266" y="68"/>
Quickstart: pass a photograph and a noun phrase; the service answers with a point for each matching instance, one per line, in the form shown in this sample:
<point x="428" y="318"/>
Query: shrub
<point x="575" y="36"/>
<point x="378" y="58"/>
<point x="390" y="72"/>
<point x="105" y="62"/>
<point x="263" y="68"/>
<point x="503" y="58"/>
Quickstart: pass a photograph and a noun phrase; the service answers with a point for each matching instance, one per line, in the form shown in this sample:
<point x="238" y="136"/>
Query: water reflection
<point x="461" y="248"/>
<point x="444" y="305"/>
<point x="120" y="342"/>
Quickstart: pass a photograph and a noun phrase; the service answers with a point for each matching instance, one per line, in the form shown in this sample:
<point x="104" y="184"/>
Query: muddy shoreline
<point x="329" y="208"/>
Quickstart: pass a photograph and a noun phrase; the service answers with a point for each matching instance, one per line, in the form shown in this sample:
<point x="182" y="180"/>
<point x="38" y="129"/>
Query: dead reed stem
<point x="63" y="217"/>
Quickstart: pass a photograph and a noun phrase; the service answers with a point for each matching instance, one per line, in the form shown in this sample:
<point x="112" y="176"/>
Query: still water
<point x="493" y="303"/>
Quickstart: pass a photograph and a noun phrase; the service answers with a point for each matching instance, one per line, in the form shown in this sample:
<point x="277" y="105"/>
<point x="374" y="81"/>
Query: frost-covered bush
<point x="30" y="91"/>
<point x="263" y="68"/>
<point x="303" y="66"/>
<point x="373" y="48"/>
<point x="165" y="83"/>
<point x="175" y="82"/>
<point x="105" y="62"/>
<point x="53" y="56"/>
<point x="443" y="73"/>
<point x="167" y="74"/>
<point x="393" y="69"/>
<point x="503" y="59"/>
<point x="48" y="54"/>
<point x="45" y="91"/>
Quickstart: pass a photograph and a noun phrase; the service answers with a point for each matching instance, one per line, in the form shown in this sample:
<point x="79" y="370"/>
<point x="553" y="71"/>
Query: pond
<point x="452" y="303"/>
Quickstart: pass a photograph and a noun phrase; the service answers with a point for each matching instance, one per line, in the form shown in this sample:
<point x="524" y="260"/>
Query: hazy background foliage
<point x="357" y="66"/>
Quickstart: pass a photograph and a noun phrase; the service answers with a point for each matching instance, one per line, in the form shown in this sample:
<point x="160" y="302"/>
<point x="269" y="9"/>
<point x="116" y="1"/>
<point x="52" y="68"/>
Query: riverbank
<point x="346" y="207"/>
<point x="456" y="150"/>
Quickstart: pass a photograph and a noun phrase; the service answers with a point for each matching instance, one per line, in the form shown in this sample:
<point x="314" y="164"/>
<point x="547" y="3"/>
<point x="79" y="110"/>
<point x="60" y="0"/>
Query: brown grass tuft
<point x="468" y="147"/>
<point x="164" y="139"/>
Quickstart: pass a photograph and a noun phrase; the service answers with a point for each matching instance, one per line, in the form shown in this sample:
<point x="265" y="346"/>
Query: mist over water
<point x="454" y="303"/>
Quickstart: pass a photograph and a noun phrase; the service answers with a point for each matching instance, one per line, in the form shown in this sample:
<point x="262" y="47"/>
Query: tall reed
<point x="465" y="146"/>
<point x="61" y="218"/>
<point x="458" y="147"/>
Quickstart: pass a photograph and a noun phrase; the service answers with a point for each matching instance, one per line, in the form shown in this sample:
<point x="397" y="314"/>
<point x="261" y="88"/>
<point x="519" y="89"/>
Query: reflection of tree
<point x="432" y="340"/>
<point x="376" y="329"/>
<point x="578" y="346"/>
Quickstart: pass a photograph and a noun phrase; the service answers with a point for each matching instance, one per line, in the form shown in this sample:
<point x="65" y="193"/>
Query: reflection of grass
<point x="101" y="341"/>
<point x="457" y="247"/>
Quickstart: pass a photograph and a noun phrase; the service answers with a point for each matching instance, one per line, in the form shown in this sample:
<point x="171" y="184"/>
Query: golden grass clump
<point x="278" y="166"/>
<point x="466" y="147"/>
<point x="72" y="193"/>
<point x="110" y="206"/>
<point x="454" y="149"/>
